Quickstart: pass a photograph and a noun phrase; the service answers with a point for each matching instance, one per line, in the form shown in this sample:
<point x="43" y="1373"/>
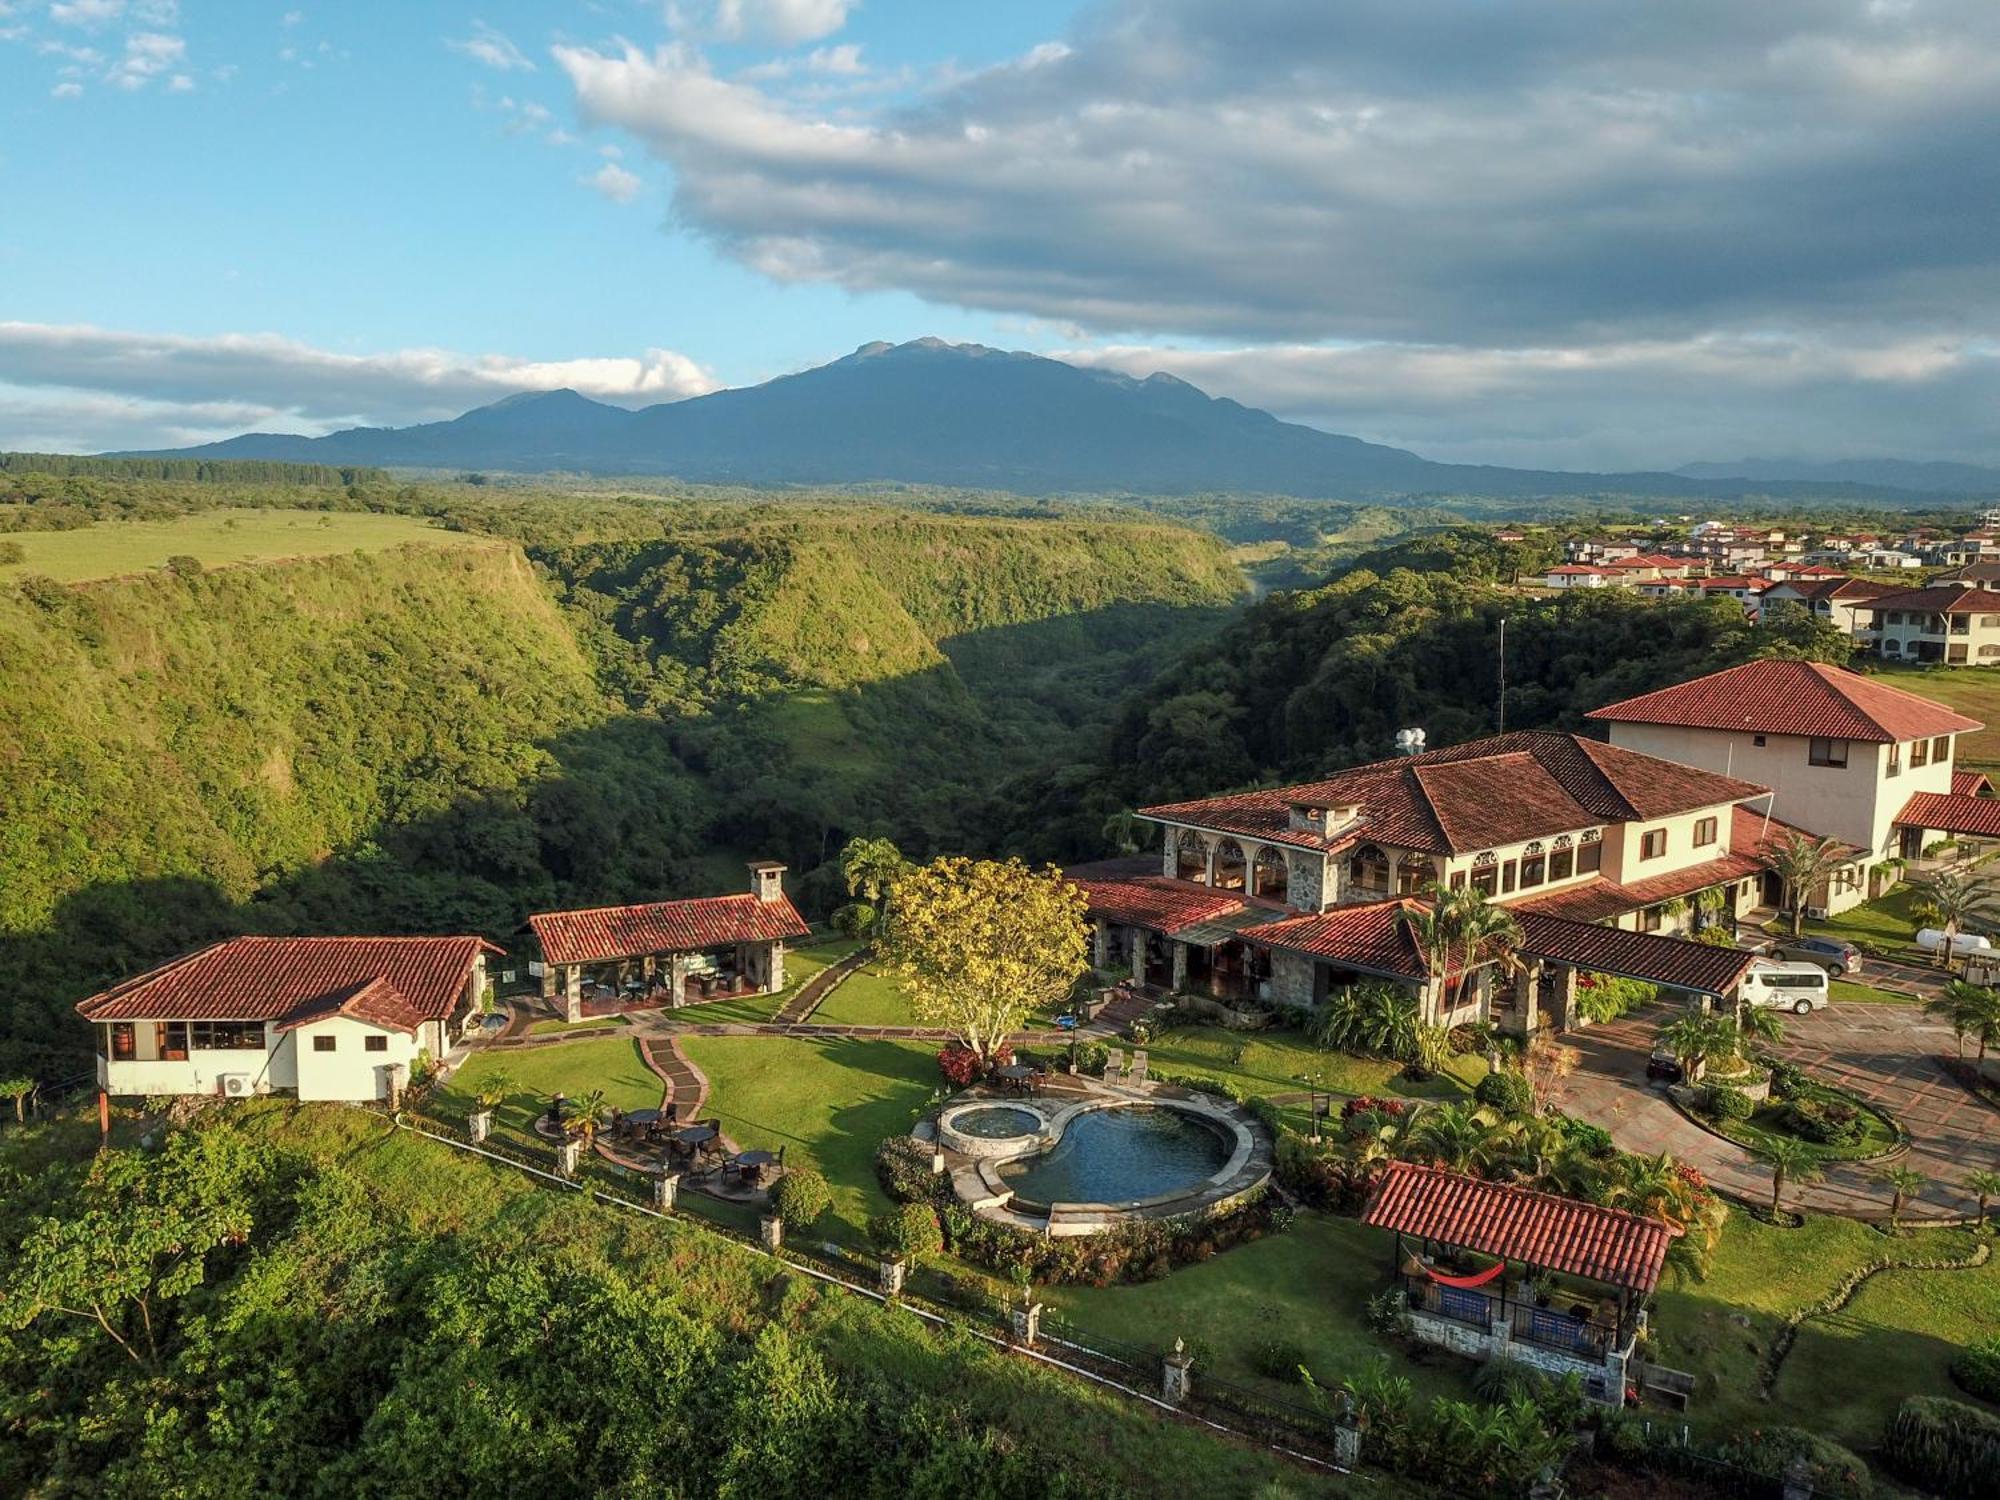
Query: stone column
<point x="775" y="980"/>
<point x="1347" y="1430"/>
<point x="573" y="993"/>
<point x="771" y="1230"/>
<point x="1175" y="1381"/>
<point x="666" y="1191"/>
<point x="1027" y="1323"/>
<point x="1137" y="937"/>
<point x="1180" y="966"/>
<point x="569" y="1156"/>
<point x="676" y="980"/>
<point x="479" y="1125"/>
<point x="1562" y="1004"/>
<point x="399" y="1077"/>
<point x="937" y="1161"/>
<point x="890" y="1273"/>
<point x="1100" y="945"/>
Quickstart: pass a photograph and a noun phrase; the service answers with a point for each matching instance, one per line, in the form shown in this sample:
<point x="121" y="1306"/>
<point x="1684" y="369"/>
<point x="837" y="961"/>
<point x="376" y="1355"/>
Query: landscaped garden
<point x="532" y="1076"/>
<point x="801" y="965"/>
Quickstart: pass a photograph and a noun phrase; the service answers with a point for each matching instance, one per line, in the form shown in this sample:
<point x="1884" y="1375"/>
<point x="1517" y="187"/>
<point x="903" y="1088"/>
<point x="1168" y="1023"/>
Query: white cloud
<point x="614" y="182"/>
<point x="81" y="387"/>
<point x="785" y="23"/>
<point x="841" y="61"/>
<point x="493" y="48"/>
<point x="292" y="18"/>
<point x="180" y="83"/>
<point x="148" y="54"/>
<point x="88" y="13"/>
<point x="66" y="91"/>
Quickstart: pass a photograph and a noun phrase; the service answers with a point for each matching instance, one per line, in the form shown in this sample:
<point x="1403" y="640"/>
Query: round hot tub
<point x="991" y="1130"/>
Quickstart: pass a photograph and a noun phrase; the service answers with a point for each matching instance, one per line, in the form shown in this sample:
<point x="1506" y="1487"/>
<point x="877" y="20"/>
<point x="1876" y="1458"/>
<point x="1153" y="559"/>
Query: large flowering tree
<point x="982" y="944"/>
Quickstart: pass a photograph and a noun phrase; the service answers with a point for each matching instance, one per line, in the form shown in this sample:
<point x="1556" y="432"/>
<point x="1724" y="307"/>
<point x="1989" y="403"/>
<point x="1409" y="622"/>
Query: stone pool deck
<point x="977" y="1182"/>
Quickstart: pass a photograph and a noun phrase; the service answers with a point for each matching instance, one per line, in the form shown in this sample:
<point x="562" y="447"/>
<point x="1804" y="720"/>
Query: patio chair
<point x="1114" y="1065"/>
<point x="1137" y="1073"/>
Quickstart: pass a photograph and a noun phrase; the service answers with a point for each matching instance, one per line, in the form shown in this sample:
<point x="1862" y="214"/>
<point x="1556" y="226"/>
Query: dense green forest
<point x="189" y="470"/>
<point x="305" y="1302"/>
<point x="435" y="739"/>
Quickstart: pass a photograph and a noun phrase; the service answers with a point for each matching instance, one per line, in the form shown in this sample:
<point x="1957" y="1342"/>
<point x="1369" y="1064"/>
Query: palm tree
<point x="1970" y="1010"/>
<point x="1984" y="1185"/>
<point x="1801" y="862"/>
<point x="870" y="868"/>
<point x="1385" y="1021"/>
<point x="1454" y="1136"/>
<point x="1121" y="831"/>
<point x="1694" y="1039"/>
<point x="587" y="1113"/>
<point x="1902" y="1183"/>
<point x="1458" y="931"/>
<point x="19" y="1090"/>
<point x="494" y="1089"/>
<point x="1952" y="897"/>
<point x="1789" y="1157"/>
<point x="1652" y="1187"/>
<point x="1758" y="1021"/>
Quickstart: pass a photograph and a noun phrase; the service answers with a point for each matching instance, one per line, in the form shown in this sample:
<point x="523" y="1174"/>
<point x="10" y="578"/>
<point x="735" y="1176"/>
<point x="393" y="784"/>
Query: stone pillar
<point x="1138" y="941"/>
<point x="1180" y="966"/>
<point x="890" y="1273"/>
<point x="775" y="980"/>
<point x="479" y="1125"/>
<point x="1562" y="1003"/>
<point x="937" y="1161"/>
<point x="573" y="993"/>
<point x="1027" y="1323"/>
<point x="569" y="1156"/>
<point x="399" y="1077"/>
<point x="676" y="980"/>
<point x="771" y="1230"/>
<point x="1175" y="1381"/>
<point x="667" y="1191"/>
<point x="1100" y="944"/>
<point x="1347" y="1429"/>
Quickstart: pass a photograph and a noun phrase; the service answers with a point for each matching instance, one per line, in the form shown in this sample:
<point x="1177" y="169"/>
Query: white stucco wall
<point x="350" y="1070"/>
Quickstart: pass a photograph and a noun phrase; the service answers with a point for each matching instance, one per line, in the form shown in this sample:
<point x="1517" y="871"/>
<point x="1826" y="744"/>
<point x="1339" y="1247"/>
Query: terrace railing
<point x="1555" y="1327"/>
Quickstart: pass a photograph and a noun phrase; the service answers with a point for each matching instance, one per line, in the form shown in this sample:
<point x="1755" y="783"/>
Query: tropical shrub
<point x="1502" y="1379"/>
<point x="908" y="1230"/>
<point x="1788" y="1080"/>
<point x="1976" y="1369"/>
<point x="1834" y="1472"/>
<point x="1388" y="1314"/>
<point x="1823" y="1121"/>
<point x="1591" y="1140"/>
<point x="1505" y="1091"/>
<point x="800" y="1197"/>
<point x="1605" y="997"/>
<point x="962" y="1066"/>
<point x="1724" y="1103"/>
<point x="903" y="1167"/>
<point x="1373" y="1104"/>
<point x="1281" y="1359"/>
<point x="1944" y="1445"/>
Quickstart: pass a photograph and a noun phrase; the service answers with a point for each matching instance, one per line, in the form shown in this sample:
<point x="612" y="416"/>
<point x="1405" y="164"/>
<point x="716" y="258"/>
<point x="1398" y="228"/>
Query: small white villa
<point x="339" y="1018"/>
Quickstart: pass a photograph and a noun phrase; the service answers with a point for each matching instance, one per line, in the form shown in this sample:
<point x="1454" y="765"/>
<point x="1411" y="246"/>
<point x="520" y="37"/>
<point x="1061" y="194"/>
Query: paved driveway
<point x="1885" y="1053"/>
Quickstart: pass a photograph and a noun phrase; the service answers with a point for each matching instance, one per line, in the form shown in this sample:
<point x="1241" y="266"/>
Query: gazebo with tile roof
<point x="1492" y="1270"/>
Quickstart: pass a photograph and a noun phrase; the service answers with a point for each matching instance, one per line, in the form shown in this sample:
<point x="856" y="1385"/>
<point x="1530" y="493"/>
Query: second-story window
<point x="1704" y="832"/>
<point x="1920" y="753"/>
<point x="1941" y="749"/>
<point x="1895" y="767"/>
<point x="1534" y="867"/>
<point x="1562" y="859"/>
<point x="1652" y="843"/>
<point x="1826" y="752"/>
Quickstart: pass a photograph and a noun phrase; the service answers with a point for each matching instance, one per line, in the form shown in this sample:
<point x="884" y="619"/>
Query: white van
<point x="1798" y="987"/>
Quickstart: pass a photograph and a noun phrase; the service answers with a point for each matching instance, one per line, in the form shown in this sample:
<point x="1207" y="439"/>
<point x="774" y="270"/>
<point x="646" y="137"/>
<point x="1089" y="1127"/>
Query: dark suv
<point x="1836" y="957"/>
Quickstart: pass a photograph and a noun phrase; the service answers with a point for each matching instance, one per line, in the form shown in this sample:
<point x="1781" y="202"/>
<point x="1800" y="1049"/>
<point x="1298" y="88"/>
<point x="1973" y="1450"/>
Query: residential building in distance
<point x="1954" y="623"/>
<point x="1842" y="753"/>
<point x="1985" y="575"/>
<point x="1841" y="601"/>
<point x="341" y="1018"/>
<point x="1575" y="576"/>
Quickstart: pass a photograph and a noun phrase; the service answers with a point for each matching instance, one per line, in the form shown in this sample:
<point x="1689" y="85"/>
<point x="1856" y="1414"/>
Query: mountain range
<point x="929" y="412"/>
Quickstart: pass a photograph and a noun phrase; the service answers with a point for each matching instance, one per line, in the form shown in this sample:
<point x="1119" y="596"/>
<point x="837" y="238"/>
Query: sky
<point x="1551" y="233"/>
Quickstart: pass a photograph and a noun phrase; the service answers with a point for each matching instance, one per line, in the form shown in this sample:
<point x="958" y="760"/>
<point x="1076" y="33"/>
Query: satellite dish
<point x="1409" y="741"/>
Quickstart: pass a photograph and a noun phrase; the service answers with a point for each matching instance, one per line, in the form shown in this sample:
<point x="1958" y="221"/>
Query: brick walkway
<point x="817" y="988"/>
<point x="1885" y="1053"/>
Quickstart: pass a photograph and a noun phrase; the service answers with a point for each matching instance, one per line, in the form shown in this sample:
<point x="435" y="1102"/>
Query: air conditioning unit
<point x="1818" y="913"/>
<point x="236" y="1085"/>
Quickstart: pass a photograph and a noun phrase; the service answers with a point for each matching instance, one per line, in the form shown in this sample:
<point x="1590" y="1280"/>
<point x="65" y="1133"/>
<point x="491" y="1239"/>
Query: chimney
<point x="767" y="880"/>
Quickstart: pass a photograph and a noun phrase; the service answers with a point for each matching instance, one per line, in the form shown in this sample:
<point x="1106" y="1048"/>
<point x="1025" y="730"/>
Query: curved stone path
<point x="817" y="988"/>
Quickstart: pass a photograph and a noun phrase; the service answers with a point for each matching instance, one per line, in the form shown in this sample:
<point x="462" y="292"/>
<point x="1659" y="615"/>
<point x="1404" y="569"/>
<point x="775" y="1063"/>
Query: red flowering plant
<point x="962" y="1066"/>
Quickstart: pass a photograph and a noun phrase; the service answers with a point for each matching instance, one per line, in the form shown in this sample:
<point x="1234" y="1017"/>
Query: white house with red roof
<point x="319" y="1017"/>
<point x="1575" y="576"/>
<point x="669" y="953"/>
<point x="1957" y="623"/>
<point x="1286" y="893"/>
<point x="1836" y="598"/>
<point x="1843" y="753"/>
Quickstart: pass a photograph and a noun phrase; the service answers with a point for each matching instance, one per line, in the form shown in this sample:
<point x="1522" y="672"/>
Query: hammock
<point x="1463" y="1283"/>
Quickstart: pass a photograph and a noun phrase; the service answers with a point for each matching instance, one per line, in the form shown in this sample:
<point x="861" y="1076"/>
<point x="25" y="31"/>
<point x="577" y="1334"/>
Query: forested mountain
<point x="442" y="739"/>
<point x="1898" y="473"/>
<point x="928" y="412"/>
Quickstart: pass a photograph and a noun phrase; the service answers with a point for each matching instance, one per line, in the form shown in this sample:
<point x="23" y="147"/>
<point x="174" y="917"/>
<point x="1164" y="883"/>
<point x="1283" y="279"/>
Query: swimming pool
<point x="1120" y="1155"/>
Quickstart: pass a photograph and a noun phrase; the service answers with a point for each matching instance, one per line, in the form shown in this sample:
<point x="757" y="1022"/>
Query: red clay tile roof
<point x="1166" y="906"/>
<point x="1596" y="899"/>
<point x="376" y="1002"/>
<point x="1791" y="697"/>
<point x="1605" y="1245"/>
<point x="1753" y="584"/>
<point x="1971" y="784"/>
<point x="264" y="978"/>
<point x="1573" y="570"/>
<point x="1943" y="599"/>
<point x="1469" y="797"/>
<point x="1370" y="937"/>
<point x="1812" y="589"/>
<point x="1674" y="962"/>
<point x="1979" y="816"/>
<point x="1752" y="834"/>
<point x="607" y="932"/>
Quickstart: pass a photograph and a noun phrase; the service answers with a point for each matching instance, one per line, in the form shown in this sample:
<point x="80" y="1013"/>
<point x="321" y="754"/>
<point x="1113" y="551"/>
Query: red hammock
<point x="1464" y="1283"/>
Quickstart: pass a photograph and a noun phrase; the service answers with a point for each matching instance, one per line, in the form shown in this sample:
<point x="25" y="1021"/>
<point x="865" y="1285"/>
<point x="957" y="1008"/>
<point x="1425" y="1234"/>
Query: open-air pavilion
<point x="1491" y="1270"/>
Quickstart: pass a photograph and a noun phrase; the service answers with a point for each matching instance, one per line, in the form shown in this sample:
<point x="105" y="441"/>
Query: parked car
<point x="1832" y="955"/>
<point x="1798" y="987"/>
<point x="1662" y="1064"/>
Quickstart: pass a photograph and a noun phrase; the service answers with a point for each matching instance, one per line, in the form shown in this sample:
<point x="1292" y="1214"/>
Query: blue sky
<point x="1560" y="233"/>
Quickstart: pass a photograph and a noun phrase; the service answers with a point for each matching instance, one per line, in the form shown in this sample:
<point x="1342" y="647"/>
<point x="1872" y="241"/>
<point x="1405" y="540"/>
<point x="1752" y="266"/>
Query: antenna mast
<point x="1503" y="674"/>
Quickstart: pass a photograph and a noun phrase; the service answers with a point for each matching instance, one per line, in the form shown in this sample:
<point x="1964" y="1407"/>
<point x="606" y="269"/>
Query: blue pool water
<point x="1119" y="1155"/>
<point x="996" y="1122"/>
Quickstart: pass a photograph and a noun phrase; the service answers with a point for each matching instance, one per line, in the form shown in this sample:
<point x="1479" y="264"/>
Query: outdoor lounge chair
<point x="1114" y="1065"/>
<point x="1137" y="1073"/>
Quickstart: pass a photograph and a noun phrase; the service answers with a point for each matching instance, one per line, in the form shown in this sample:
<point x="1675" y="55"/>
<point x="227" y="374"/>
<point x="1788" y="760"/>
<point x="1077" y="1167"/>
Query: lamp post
<point x="1312" y="1105"/>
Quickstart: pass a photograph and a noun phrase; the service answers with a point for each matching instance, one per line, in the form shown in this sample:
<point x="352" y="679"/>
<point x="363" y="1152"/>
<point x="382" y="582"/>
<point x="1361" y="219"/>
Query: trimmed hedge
<point x="1835" y="1472"/>
<point x="1944" y="1445"/>
<point x="800" y="1197"/>
<point x="910" y="1229"/>
<point x="1506" y="1091"/>
<point x="1976" y="1369"/>
<point x="1726" y="1103"/>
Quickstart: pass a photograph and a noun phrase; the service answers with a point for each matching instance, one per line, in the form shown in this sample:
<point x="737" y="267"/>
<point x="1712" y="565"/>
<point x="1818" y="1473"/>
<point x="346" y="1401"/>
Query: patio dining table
<point x="695" y="1135"/>
<point x="1017" y="1075"/>
<point x="642" y="1119"/>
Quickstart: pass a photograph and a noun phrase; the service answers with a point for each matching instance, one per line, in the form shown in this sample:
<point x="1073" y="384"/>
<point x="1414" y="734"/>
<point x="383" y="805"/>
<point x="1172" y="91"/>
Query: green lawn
<point x="610" y="1063"/>
<point x="111" y="548"/>
<point x="1278" y="1062"/>
<point x="1887" y="921"/>
<point x="1973" y="691"/>
<point x="801" y="964"/>
<point x="829" y="1103"/>
<point x="1308" y="1286"/>
<point x="595" y="1023"/>
<point x="867" y="997"/>
<point x="1843" y="989"/>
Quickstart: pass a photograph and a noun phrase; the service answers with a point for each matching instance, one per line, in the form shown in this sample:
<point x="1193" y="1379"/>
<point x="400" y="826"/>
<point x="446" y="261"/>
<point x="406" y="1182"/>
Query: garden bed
<point x="1880" y="1133"/>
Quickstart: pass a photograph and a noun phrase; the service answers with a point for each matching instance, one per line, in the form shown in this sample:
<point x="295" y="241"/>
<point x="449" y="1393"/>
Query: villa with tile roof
<point x="1285" y="893"/>
<point x="1957" y="623"/>
<point x="1841" y="601"/>
<point x="670" y="952"/>
<point x="320" y="1017"/>
<point x="1846" y="756"/>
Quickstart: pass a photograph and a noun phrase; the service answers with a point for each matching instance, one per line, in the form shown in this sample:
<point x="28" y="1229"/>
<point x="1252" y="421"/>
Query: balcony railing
<point x="1557" y="1326"/>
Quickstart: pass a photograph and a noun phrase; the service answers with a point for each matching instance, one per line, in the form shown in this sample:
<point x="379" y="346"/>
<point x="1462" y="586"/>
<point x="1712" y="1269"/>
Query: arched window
<point x="1562" y="860"/>
<point x="1413" y="874"/>
<point x="1486" y="872"/>
<point x="1190" y="856"/>
<point x="1271" y="876"/>
<point x="1229" y="868"/>
<point x="1534" y="866"/>
<point x="1368" y="870"/>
